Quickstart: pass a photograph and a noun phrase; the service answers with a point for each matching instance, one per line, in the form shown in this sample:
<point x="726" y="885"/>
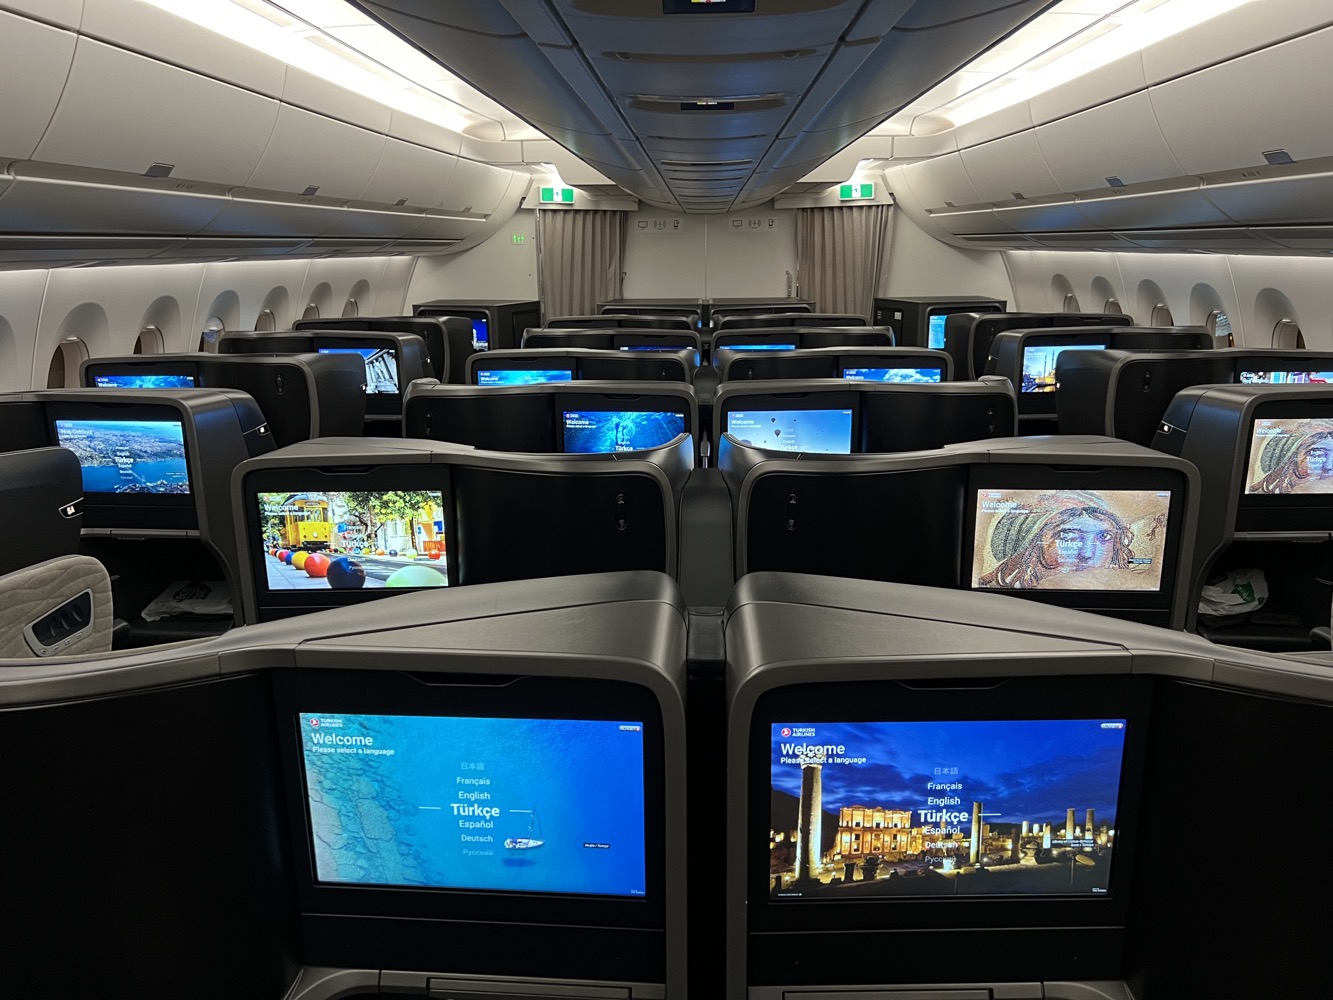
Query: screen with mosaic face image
<point x="1290" y="456"/>
<point x="1104" y="540"/>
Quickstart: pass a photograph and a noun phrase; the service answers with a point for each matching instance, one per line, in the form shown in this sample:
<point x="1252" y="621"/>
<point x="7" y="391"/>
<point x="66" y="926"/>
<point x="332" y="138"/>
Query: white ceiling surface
<point x="607" y="79"/>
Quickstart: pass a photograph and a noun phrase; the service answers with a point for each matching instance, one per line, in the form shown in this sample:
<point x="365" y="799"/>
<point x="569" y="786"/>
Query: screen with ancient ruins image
<point x="947" y="808"/>
<point x="1103" y="540"/>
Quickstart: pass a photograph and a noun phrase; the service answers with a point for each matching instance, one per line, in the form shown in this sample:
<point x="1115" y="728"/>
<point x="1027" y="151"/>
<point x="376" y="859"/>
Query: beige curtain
<point x="580" y="258"/>
<point x="840" y="254"/>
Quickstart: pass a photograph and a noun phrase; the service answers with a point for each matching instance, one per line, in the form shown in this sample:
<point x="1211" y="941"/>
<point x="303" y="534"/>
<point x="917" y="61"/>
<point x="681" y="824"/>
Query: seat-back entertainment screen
<point x="606" y="431"/>
<point x="144" y="381"/>
<point x="1286" y="378"/>
<point x="1039" y="364"/>
<point x="935" y="331"/>
<point x="1070" y="539"/>
<point x="481" y="334"/>
<point x="501" y="804"/>
<point x="1290" y="455"/>
<point x="381" y="366"/>
<point x="757" y="347"/>
<point x="523" y="376"/>
<point x="1006" y="807"/>
<point x="350" y="541"/>
<point x="128" y="456"/>
<point x="893" y="374"/>
<point x="827" y="432"/>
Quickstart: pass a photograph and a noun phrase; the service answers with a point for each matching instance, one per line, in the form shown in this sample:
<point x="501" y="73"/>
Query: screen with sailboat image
<point x="523" y="805"/>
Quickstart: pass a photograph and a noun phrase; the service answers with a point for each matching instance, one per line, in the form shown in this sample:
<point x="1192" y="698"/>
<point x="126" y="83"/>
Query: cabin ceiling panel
<point x="141" y="27"/>
<point x="62" y="12"/>
<point x="607" y="78"/>
<point x="34" y="61"/>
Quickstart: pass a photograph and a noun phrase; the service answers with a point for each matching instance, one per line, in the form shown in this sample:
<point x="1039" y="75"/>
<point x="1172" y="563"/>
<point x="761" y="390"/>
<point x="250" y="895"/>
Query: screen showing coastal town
<point x="128" y="456"/>
<point x="983" y="808"/>
<point x="530" y="805"/>
<point x="349" y="541"/>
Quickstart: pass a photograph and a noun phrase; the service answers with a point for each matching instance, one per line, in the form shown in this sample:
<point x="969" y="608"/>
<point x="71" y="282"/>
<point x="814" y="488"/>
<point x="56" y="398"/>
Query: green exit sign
<point x="856" y="192"/>
<point x="557" y="196"/>
<point x="519" y="238"/>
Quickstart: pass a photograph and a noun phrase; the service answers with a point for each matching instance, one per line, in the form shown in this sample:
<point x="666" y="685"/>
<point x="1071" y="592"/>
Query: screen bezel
<point x="1013" y="698"/>
<point x="1037" y="477"/>
<point x="840" y="400"/>
<point x="363" y="692"/>
<point x="171" y="511"/>
<point x="282" y="603"/>
<point x="1261" y="512"/>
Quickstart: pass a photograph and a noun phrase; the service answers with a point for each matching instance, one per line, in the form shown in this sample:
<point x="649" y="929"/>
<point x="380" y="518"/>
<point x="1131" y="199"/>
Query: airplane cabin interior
<point x="638" y="499"/>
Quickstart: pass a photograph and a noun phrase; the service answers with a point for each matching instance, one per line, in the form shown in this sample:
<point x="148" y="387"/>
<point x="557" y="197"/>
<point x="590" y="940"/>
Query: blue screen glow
<point x="128" y="456"/>
<point x="935" y="337"/>
<point x="143" y="381"/>
<point x="893" y="374"/>
<point x="827" y="432"/>
<point x="758" y="347"/>
<point x="522" y="376"/>
<point x="604" y="431"/>
<point x="1286" y="378"/>
<point x="481" y="336"/>
<point x="522" y="805"/>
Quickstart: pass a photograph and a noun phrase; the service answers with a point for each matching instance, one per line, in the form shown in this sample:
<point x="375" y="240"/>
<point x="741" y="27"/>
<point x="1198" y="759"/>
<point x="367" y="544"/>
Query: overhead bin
<point x="1008" y="168"/>
<point x="48" y="198"/>
<point x="1116" y="144"/>
<point x="475" y="188"/>
<point x="156" y="109"/>
<point x="1177" y="202"/>
<point x="309" y="151"/>
<point x="410" y="175"/>
<point x="34" y="62"/>
<point x="1301" y="193"/>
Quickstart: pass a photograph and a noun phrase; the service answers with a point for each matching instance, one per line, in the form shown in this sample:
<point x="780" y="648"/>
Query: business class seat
<point x="450" y="340"/>
<point x="301" y="395"/>
<point x="53" y="601"/>
<point x="566" y="364"/>
<point x="156" y="473"/>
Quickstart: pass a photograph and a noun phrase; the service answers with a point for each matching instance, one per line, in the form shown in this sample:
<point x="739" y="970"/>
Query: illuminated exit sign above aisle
<point x="557" y="196"/>
<point x="856" y="192"/>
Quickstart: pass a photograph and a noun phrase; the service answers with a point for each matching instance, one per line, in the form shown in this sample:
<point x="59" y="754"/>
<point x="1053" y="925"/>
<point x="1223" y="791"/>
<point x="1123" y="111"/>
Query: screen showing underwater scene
<point x="827" y="432"/>
<point x="1291" y="455"/>
<point x="522" y="805"/>
<point x="1039" y="364"/>
<point x="603" y="431"/>
<point x="1108" y="540"/>
<point x="522" y="376"/>
<point x="143" y="381"/>
<point x="866" y="810"/>
<point x="352" y="541"/>
<point x="918" y="375"/>
<point x="128" y="456"/>
<point x="757" y="347"/>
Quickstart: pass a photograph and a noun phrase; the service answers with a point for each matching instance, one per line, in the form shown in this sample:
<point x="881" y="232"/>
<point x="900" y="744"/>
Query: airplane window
<point x="266" y="321"/>
<point x="1071" y="303"/>
<point x="1287" y="334"/>
<point x="311" y="312"/>
<point x="149" y="342"/>
<point x="351" y="308"/>
<point x="1161" y="315"/>
<point x="65" y="363"/>
<point x="1219" y="325"/>
<point x="208" y="340"/>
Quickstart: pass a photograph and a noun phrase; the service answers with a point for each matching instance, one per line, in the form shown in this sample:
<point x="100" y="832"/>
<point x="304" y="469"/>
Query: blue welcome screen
<point x="524" y="805"/>
<point x="606" y="431"/>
